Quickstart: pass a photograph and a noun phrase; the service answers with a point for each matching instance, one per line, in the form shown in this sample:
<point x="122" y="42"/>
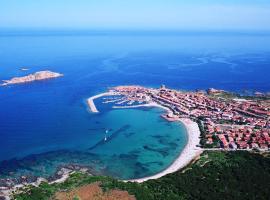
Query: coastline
<point x="6" y="192"/>
<point x="189" y="153"/>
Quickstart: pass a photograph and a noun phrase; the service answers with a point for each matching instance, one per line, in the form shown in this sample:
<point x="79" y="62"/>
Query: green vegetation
<point x="46" y="191"/>
<point x="225" y="96"/>
<point x="203" y="140"/>
<point x="76" y="198"/>
<point x="216" y="175"/>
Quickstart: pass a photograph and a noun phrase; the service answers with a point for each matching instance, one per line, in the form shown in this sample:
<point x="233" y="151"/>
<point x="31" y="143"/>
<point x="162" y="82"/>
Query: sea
<point x="47" y="125"/>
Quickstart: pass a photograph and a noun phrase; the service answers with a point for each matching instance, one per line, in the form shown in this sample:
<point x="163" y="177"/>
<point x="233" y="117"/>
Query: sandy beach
<point x="190" y="152"/>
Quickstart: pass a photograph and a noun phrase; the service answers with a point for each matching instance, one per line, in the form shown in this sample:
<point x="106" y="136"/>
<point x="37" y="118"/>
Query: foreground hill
<point x="216" y="175"/>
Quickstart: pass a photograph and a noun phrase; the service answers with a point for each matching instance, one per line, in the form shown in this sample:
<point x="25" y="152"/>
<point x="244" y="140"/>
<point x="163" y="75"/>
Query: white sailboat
<point x="105" y="138"/>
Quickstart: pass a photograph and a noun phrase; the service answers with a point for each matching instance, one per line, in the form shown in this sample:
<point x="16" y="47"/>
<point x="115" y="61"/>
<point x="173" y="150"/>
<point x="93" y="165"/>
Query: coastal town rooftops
<point x="212" y="111"/>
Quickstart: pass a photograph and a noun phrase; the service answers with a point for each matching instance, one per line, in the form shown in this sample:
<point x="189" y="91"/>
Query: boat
<point x="105" y="137"/>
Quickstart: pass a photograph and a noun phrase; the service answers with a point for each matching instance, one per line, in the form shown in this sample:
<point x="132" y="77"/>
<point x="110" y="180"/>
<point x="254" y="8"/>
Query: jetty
<point x="91" y="104"/>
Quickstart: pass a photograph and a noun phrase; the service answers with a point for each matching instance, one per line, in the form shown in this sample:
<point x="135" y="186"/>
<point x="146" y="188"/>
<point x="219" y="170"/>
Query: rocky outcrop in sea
<point x="41" y="75"/>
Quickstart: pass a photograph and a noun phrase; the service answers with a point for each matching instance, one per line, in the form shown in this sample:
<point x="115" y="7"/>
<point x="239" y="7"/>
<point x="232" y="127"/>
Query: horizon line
<point x="14" y="31"/>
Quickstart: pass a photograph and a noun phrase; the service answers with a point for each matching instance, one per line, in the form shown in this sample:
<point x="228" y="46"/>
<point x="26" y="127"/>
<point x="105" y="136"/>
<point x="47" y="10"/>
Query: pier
<point x="91" y="104"/>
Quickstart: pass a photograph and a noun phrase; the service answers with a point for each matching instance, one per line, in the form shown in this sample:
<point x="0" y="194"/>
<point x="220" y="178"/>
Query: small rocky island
<point x="38" y="76"/>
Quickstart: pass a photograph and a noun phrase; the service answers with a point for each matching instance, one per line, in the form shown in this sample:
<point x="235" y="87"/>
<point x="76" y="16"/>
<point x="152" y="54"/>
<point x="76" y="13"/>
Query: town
<point x="226" y="123"/>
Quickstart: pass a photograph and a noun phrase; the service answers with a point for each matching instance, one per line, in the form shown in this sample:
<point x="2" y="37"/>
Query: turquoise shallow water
<point x="139" y="143"/>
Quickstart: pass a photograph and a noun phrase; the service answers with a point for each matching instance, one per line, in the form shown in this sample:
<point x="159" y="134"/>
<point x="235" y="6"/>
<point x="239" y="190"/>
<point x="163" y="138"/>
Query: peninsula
<point x="227" y="121"/>
<point x="214" y="119"/>
<point x="38" y="76"/>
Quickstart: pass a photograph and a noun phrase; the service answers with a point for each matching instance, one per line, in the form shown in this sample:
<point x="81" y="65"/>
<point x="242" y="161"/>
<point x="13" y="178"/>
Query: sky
<point x="137" y="14"/>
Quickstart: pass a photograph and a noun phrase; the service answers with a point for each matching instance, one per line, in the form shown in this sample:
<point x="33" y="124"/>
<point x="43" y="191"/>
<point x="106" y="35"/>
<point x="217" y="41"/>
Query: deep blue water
<point x="46" y="124"/>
